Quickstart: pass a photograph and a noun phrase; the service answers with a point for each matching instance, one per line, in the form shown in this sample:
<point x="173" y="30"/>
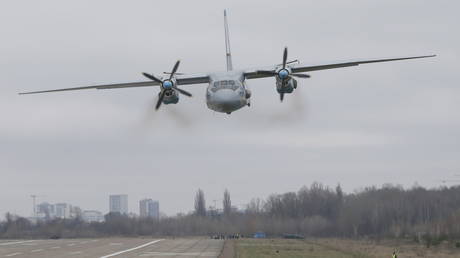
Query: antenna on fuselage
<point x="227" y="44"/>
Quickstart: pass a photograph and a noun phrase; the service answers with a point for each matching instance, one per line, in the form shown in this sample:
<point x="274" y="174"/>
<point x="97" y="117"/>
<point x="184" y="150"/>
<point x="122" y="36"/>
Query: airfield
<point x="210" y="248"/>
<point x="112" y="247"/>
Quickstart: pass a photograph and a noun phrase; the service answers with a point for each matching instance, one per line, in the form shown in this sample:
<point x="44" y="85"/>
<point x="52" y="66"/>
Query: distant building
<point x="118" y="203"/>
<point x="45" y="211"/>
<point x="149" y="208"/>
<point x="62" y="210"/>
<point x="92" y="216"/>
<point x="59" y="210"/>
<point x="75" y="212"/>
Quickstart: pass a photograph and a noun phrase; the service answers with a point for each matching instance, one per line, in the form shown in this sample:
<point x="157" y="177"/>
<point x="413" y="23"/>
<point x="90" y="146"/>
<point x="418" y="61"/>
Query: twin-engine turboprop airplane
<point x="227" y="90"/>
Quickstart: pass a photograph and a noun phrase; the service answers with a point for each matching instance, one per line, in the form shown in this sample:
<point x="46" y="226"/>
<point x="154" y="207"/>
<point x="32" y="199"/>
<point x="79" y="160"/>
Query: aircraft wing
<point x="253" y="74"/>
<point x="181" y="80"/>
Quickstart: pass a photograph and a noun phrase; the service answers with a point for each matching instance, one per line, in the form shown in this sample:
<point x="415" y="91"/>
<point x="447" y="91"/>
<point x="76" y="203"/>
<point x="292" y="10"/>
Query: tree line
<point x="319" y="211"/>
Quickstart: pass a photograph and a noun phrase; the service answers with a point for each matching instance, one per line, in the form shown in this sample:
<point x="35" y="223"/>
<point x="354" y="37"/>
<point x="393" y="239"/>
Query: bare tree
<point x="200" y="203"/>
<point x="227" y="203"/>
<point x="255" y="206"/>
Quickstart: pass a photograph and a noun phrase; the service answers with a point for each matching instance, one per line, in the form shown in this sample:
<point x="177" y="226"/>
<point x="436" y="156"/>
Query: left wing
<point x="181" y="80"/>
<point x="253" y="74"/>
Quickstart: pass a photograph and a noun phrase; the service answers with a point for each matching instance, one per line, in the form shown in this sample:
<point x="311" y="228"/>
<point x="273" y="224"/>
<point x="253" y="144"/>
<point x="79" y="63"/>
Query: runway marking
<point x="36" y="250"/>
<point x="132" y="249"/>
<point x="13" y="254"/>
<point x="55" y="247"/>
<point x="70" y="244"/>
<point x="74" y="253"/>
<point x="194" y="254"/>
<point x="17" y="242"/>
<point x="29" y="244"/>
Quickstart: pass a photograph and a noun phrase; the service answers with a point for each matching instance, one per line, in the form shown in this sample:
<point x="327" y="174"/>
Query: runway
<point x="112" y="247"/>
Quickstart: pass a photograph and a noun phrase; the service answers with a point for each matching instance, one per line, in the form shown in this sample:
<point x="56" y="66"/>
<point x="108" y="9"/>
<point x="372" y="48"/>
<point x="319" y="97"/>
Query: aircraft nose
<point x="227" y="99"/>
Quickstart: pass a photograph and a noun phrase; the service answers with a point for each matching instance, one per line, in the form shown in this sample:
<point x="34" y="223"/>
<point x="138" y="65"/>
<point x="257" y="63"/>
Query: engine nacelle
<point x="248" y="94"/>
<point x="171" y="97"/>
<point x="289" y="85"/>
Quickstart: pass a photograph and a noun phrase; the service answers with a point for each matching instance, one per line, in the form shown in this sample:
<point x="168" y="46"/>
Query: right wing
<point x="309" y="68"/>
<point x="254" y="74"/>
<point x="181" y="80"/>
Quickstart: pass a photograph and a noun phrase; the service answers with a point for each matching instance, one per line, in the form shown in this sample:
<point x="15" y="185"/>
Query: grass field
<point x="264" y="248"/>
<point x="337" y="248"/>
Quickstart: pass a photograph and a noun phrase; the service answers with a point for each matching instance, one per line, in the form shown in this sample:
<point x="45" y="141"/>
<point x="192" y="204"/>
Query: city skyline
<point x="36" y="202"/>
<point x="47" y="210"/>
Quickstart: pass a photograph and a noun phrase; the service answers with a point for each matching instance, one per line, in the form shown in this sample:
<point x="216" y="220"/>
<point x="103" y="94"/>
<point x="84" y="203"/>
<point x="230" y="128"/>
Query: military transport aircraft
<point x="227" y="90"/>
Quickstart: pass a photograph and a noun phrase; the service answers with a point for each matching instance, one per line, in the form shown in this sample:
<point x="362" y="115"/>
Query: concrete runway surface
<point x="112" y="247"/>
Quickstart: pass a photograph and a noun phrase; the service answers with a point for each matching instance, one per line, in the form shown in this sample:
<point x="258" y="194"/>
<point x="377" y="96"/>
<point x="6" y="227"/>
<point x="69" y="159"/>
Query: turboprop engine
<point x="285" y="83"/>
<point x="169" y="93"/>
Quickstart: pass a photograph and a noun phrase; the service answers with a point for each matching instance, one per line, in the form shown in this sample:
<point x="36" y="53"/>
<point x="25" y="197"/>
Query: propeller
<point x="283" y="73"/>
<point x="167" y="85"/>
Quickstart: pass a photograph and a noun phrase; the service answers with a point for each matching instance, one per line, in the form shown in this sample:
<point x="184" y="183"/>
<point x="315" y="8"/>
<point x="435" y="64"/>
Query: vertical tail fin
<point x="227" y="44"/>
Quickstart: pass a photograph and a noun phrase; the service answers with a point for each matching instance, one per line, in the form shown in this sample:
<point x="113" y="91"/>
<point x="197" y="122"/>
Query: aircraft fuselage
<point x="227" y="92"/>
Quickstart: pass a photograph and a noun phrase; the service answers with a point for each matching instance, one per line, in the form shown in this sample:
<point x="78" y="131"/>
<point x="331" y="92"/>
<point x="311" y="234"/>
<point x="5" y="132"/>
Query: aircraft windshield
<point x="227" y="84"/>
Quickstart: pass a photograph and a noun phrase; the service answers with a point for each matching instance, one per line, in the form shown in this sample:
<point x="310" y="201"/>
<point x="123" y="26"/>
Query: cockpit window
<point x="225" y="84"/>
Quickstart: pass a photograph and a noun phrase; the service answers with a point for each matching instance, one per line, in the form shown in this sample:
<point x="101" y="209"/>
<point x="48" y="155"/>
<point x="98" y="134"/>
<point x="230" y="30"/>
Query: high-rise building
<point x="45" y="210"/>
<point x="149" y="208"/>
<point x="62" y="210"/>
<point x="118" y="203"/>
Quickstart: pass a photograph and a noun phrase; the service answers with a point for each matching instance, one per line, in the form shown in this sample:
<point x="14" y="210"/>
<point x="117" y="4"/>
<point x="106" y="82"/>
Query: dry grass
<point x="335" y="248"/>
<point x="265" y="248"/>
<point x="384" y="248"/>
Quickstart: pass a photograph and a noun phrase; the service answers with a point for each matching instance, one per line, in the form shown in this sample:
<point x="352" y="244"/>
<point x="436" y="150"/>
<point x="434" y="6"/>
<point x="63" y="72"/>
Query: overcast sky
<point x="368" y="125"/>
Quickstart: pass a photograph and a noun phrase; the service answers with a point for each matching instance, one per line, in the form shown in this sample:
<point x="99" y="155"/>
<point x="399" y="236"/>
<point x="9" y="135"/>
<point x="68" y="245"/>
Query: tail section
<point x="227" y="44"/>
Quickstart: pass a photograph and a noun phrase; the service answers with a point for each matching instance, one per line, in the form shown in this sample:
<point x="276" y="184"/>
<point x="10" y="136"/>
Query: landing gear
<point x="228" y="113"/>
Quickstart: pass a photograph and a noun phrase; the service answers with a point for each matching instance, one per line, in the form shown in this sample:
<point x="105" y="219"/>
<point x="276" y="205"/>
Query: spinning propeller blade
<point x="153" y="78"/>
<point x="267" y="72"/>
<point x="285" y="57"/>
<point x="186" y="93"/>
<point x="160" y="99"/>
<point x="174" y="70"/>
<point x="301" y="75"/>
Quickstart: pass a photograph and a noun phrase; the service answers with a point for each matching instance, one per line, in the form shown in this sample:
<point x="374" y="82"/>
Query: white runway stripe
<point x="13" y="254"/>
<point x="194" y="254"/>
<point x="18" y="242"/>
<point x="132" y="249"/>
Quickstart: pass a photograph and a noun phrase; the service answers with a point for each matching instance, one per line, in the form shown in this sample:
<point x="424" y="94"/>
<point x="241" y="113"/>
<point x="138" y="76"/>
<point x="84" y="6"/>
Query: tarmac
<point x="112" y="247"/>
